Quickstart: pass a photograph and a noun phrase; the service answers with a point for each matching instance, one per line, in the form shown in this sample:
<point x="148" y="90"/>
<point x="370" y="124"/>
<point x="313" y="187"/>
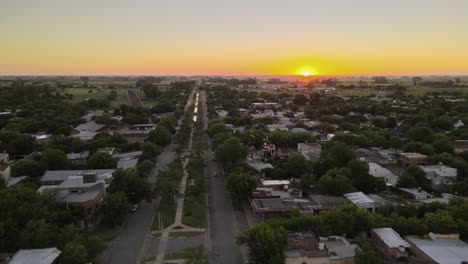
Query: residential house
<point x="259" y="165"/>
<point x="460" y="145"/>
<point x="5" y="172"/>
<point x="90" y="126"/>
<point x="310" y="151"/>
<point x="285" y="153"/>
<point x="378" y="156"/>
<point x="274" y="127"/>
<point x="361" y="200"/>
<point x="380" y="172"/>
<point x="56" y="177"/>
<point x="458" y="124"/>
<point x="408" y="158"/>
<point x="327" y="202"/>
<point x="416" y="193"/>
<point x="4" y="157"/>
<point x="85" y="190"/>
<point x="438" y="248"/>
<point x="441" y="176"/>
<point x="268" y="150"/>
<point x="389" y="243"/>
<point x="78" y="159"/>
<point x="222" y="113"/>
<point x="339" y="250"/>
<point x="36" y="256"/>
<point x="306" y="248"/>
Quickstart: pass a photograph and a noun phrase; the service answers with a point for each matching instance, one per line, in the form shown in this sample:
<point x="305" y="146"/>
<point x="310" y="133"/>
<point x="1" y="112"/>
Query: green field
<point x="80" y="94"/>
<point x="146" y="101"/>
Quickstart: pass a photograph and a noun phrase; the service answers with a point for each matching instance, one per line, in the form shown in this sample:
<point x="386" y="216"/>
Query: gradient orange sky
<point x="225" y="37"/>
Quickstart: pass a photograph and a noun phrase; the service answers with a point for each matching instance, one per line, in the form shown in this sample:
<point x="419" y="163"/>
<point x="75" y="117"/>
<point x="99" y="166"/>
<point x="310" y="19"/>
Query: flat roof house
<point x="85" y="190"/>
<point x="361" y="200"/>
<point x="378" y="171"/>
<point x="36" y="256"/>
<point x="443" y="249"/>
<point x="440" y="175"/>
<point x="310" y="151"/>
<point x="307" y="248"/>
<point x="408" y="158"/>
<point x="389" y="243"/>
<point x="78" y="159"/>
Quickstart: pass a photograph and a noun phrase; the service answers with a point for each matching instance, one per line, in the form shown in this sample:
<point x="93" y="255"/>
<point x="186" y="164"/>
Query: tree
<point x="335" y="182"/>
<point x="266" y="244"/>
<point x="151" y="91"/>
<point x="300" y="99"/>
<point x="26" y="167"/>
<point x="296" y="165"/>
<point x="413" y="176"/>
<point x="74" y="253"/>
<point x="54" y="159"/>
<point x="114" y="208"/>
<point x="440" y="222"/>
<point x="101" y="160"/>
<point x="136" y="188"/>
<point x="366" y="255"/>
<point x="441" y="146"/>
<point x="168" y="122"/>
<point x="241" y="185"/>
<point x="217" y="128"/>
<point x="149" y="150"/>
<point x="421" y="134"/>
<point x="230" y="151"/>
<point x="361" y="178"/>
<point x="160" y="136"/>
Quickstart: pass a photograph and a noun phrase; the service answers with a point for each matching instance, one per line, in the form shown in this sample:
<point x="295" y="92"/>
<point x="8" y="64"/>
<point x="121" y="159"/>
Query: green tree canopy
<point x="266" y="244"/>
<point x="335" y="182"/>
<point x="230" y="151"/>
<point x="160" y="136"/>
<point x="114" y="209"/>
<point x="241" y="185"/>
<point x="54" y="159"/>
<point x="101" y="160"/>
<point x="26" y="167"/>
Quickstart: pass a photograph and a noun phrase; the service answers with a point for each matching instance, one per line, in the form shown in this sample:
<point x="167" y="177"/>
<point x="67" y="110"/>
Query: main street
<point x="222" y="228"/>
<point x="131" y="242"/>
<point x="125" y="248"/>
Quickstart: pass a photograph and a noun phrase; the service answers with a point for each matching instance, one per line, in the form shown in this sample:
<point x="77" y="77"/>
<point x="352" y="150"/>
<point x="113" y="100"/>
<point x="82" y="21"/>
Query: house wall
<point x="421" y="256"/>
<point x="6" y="174"/>
<point x="385" y="250"/>
<point x="307" y="260"/>
<point x="343" y="261"/>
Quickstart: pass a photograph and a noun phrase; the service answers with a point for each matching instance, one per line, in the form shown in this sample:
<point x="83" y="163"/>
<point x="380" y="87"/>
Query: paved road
<point x="134" y="100"/>
<point x="126" y="247"/>
<point x="223" y="227"/>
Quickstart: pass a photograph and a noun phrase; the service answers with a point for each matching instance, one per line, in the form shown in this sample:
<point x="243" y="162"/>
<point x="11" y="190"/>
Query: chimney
<point x="321" y="246"/>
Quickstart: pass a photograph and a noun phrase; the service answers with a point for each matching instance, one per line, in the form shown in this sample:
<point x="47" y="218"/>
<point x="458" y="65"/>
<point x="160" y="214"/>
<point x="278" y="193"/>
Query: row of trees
<point x="267" y="240"/>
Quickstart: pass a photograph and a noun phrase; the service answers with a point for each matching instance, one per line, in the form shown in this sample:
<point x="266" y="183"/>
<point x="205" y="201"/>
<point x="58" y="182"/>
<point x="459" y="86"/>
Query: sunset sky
<point x="227" y="37"/>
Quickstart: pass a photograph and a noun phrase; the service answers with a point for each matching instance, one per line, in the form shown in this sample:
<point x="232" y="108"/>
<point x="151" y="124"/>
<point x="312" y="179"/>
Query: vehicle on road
<point x="134" y="208"/>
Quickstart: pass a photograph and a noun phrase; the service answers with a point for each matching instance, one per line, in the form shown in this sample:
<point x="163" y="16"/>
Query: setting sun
<point x="306" y="73"/>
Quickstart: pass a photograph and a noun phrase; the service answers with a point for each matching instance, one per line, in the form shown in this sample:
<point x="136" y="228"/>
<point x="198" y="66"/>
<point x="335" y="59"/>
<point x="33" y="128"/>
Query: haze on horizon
<point x="222" y="37"/>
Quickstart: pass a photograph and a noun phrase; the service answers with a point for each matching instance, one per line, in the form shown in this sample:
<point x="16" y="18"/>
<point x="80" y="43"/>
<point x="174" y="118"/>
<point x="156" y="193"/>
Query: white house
<point x="440" y="175"/>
